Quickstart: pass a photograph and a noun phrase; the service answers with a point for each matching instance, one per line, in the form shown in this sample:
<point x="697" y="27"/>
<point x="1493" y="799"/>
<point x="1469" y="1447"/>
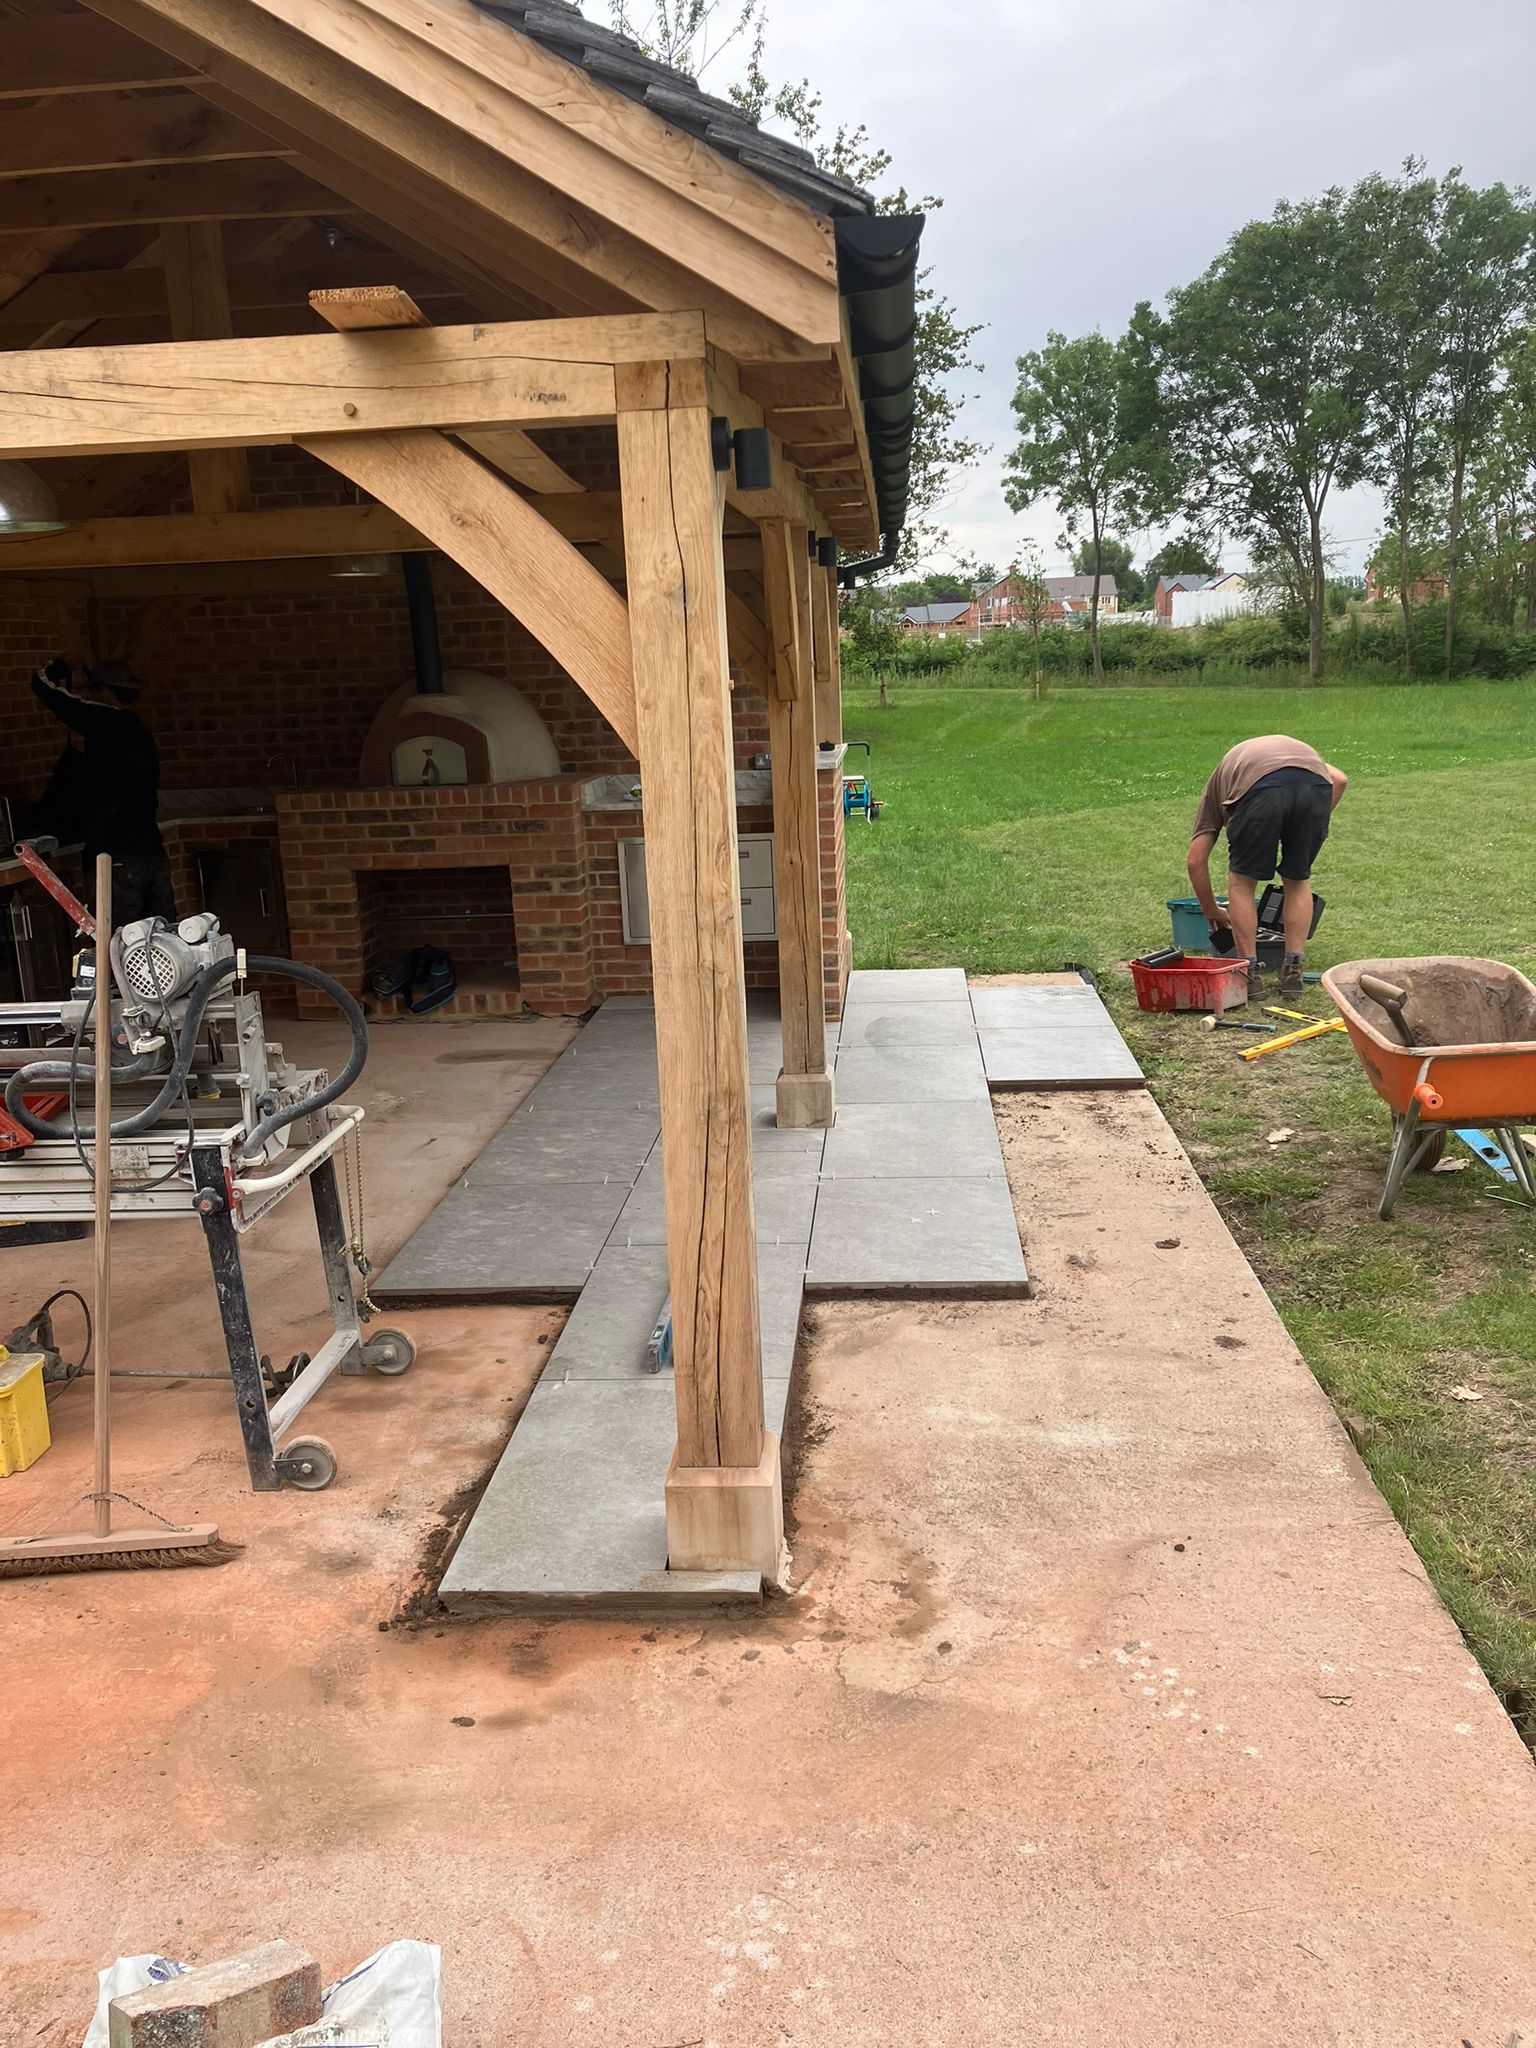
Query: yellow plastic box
<point x="23" y="1411"/>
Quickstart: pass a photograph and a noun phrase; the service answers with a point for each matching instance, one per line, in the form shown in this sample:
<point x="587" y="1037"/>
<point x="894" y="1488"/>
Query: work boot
<point x="1290" y="982"/>
<point x="1255" y="977"/>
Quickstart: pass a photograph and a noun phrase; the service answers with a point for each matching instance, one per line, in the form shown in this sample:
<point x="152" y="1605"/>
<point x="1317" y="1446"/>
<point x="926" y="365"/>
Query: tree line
<point x="1382" y="333"/>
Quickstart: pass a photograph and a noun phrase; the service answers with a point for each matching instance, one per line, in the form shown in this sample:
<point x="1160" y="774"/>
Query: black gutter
<point x="877" y="275"/>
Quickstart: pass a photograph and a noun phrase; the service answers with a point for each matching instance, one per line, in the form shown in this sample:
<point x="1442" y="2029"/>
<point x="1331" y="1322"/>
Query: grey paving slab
<point x="916" y="1236"/>
<point x="924" y="1140"/>
<point x="576" y="1142"/>
<point x="537" y="1242"/>
<point x="905" y="984"/>
<point x="538" y="1534"/>
<point x="897" y="1074"/>
<point x="935" y="1023"/>
<point x="780" y="1291"/>
<point x="1059" y="1057"/>
<point x="1021" y="1009"/>
<point x="784" y="1208"/>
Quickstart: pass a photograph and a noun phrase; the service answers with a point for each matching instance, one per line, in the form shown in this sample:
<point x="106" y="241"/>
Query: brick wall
<point x="836" y="946"/>
<point x="531" y="831"/>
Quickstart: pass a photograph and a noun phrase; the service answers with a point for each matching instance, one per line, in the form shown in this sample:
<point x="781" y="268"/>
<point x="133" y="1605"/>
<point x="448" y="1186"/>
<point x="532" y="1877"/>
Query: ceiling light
<point x="359" y="566"/>
<point x="27" y="504"/>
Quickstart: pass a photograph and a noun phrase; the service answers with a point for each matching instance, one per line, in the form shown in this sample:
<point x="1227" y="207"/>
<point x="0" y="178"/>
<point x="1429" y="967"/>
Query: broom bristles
<point x="125" y="1560"/>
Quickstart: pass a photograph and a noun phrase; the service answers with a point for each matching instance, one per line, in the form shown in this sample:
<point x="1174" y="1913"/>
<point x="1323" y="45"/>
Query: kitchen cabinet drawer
<point x="757" y="914"/>
<point x="756" y="855"/>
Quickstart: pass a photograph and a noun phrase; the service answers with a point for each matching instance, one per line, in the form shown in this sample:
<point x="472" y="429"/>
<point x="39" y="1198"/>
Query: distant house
<point x="1070" y="598"/>
<point x="1197" y="600"/>
<point x="1181" y="580"/>
<point x="937" y="621"/>
<point x="1381" y="588"/>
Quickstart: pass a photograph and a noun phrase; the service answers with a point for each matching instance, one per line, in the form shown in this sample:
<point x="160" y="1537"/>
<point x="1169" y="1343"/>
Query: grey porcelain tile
<point x="898" y="1074"/>
<point x="584" y="1141"/>
<point x="608" y="1330"/>
<point x="933" y="1140"/>
<point x="1022" y="1009"/>
<point x="935" y="1023"/>
<point x="905" y="984"/>
<point x="1059" y="1058"/>
<point x="493" y="1243"/>
<point x="784" y="1208"/>
<point x="537" y="1534"/>
<point x="916" y="1236"/>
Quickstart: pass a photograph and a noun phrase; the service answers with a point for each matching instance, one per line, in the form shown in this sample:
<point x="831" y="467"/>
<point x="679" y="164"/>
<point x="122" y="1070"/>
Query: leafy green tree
<point x="1115" y="557"/>
<point x="1264" y="377"/>
<point x="1074" y="447"/>
<point x="1028" y="595"/>
<point x="1187" y="556"/>
<point x="1402" y="288"/>
<point x="1486" y="240"/>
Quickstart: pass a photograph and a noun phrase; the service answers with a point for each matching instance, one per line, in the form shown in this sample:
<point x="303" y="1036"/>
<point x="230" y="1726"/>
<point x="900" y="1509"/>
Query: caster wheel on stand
<point x="389" y="1351"/>
<point x="308" y="1463"/>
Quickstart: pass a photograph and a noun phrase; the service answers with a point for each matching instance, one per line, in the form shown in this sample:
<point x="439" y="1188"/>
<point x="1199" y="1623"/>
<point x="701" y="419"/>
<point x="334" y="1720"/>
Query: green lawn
<point x="1019" y="835"/>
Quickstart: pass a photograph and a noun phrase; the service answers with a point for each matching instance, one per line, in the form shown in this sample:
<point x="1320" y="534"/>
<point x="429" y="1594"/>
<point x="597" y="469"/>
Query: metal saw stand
<point x="306" y="1462"/>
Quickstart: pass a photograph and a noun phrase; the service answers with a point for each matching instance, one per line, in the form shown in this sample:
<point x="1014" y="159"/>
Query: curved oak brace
<point x="509" y="549"/>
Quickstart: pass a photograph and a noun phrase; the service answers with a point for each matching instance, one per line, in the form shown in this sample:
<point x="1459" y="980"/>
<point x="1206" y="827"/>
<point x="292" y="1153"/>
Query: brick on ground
<point x="237" y="2003"/>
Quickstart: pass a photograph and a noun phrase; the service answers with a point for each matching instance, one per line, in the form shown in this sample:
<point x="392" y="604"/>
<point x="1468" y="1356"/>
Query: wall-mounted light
<point x="27" y="504"/>
<point x="754" y="459"/>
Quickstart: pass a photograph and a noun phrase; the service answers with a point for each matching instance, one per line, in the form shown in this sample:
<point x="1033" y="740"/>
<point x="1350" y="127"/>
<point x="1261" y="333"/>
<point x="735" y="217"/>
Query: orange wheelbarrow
<point x="1447" y="1042"/>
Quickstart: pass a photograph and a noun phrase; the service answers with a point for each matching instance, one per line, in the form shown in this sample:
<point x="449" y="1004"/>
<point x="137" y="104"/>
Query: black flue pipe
<point x="426" y="646"/>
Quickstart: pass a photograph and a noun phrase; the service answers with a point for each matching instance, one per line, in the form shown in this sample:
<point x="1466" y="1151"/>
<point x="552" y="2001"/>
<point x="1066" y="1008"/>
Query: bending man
<point x="1273" y="797"/>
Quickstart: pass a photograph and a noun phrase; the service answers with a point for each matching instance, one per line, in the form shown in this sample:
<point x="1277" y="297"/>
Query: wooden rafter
<point x="102" y="199"/>
<point x="435" y="112"/>
<point x="163" y="128"/>
<point x="51" y="56"/>
<point x="192" y="255"/>
<point x="253" y="287"/>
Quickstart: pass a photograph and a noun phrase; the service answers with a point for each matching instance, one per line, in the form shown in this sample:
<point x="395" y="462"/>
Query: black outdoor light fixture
<point x="754" y="459"/>
<point x="720" y="441"/>
<point x="826" y="552"/>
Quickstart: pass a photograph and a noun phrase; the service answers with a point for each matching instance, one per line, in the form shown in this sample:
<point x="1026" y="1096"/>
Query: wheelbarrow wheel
<point x="1432" y="1154"/>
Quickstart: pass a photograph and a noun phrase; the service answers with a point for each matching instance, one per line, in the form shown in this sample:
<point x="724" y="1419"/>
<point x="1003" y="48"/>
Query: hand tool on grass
<point x="103" y="1548"/>
<point x="1255" y="1052"/>
<point x="1225" y="1024"/>
<point x="1295" y="1016"/>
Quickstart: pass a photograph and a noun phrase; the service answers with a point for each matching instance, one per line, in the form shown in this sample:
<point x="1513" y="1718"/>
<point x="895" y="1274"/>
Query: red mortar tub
<point x="1189" y="982"/>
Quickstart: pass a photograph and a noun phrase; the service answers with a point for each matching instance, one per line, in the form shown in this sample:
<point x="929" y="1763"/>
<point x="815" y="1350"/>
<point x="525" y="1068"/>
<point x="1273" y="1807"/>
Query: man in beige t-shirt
<point x="1273" y="797"/>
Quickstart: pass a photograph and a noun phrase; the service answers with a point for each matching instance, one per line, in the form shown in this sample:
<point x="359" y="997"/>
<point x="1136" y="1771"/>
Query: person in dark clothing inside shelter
<point x="117" y="787"/>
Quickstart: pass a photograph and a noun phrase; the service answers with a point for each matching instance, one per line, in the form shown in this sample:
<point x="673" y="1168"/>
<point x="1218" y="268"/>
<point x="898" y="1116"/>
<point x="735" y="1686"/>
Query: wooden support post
<point x="804" y="1091"/>
<point x="829" y="656"/>
<point x="724" y="1508"/>
<point x="198" y="295"/>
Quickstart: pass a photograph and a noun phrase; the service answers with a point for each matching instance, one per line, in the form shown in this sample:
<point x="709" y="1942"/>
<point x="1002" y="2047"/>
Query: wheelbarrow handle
<point x="1430" y="1100"/>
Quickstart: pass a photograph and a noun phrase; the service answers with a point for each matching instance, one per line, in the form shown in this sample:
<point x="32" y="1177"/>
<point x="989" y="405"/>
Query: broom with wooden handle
<point x="104" y="1549"/>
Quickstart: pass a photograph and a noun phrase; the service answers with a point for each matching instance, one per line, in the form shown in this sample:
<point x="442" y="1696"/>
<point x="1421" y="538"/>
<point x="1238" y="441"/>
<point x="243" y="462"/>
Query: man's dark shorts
<point x="141" y="887"/>
<point x="1281" y="822"/>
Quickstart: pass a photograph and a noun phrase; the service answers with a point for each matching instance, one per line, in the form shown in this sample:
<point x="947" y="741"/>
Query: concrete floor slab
<point x="930" y="1023"/>
<point x="1107" y="1703"/>
<point x="933" y="1140"/>
<point x="496" y="1243"/>
<point x="905" y="985"/>
<point x="916" y="1236"/>
<point x="904" y="1074"/>
<point x="1049" y="1056"/>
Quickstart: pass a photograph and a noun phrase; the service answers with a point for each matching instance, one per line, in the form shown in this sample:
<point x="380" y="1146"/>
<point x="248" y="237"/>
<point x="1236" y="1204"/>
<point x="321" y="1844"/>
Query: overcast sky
<point x="1093" y="155"/>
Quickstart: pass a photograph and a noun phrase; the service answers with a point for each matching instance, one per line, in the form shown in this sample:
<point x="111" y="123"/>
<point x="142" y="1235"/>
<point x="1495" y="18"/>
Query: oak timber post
<point x="724" y="1505"/>
<point x="804" y="1090"/>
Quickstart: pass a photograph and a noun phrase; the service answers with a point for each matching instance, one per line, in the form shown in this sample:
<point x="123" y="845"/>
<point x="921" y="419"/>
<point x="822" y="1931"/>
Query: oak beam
<point x="53" y="56"/>
<point x="828" y="656"/>
<point x="748" y="642"/>
<point x="781" y="542"/>
<point x="180" y="538"/>
<point x="804" y="1088"/>
<point x="263" y="190"/>
<point x="672" y="497"/>
<point x="140" y="294"/>
<point x="231" y="394"/>
<point x="192" y="253"/>
<point x="513" y="553"/>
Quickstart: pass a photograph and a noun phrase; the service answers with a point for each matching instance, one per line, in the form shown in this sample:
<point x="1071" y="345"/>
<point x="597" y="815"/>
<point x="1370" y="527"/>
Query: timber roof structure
<point x="498" y="160"/>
